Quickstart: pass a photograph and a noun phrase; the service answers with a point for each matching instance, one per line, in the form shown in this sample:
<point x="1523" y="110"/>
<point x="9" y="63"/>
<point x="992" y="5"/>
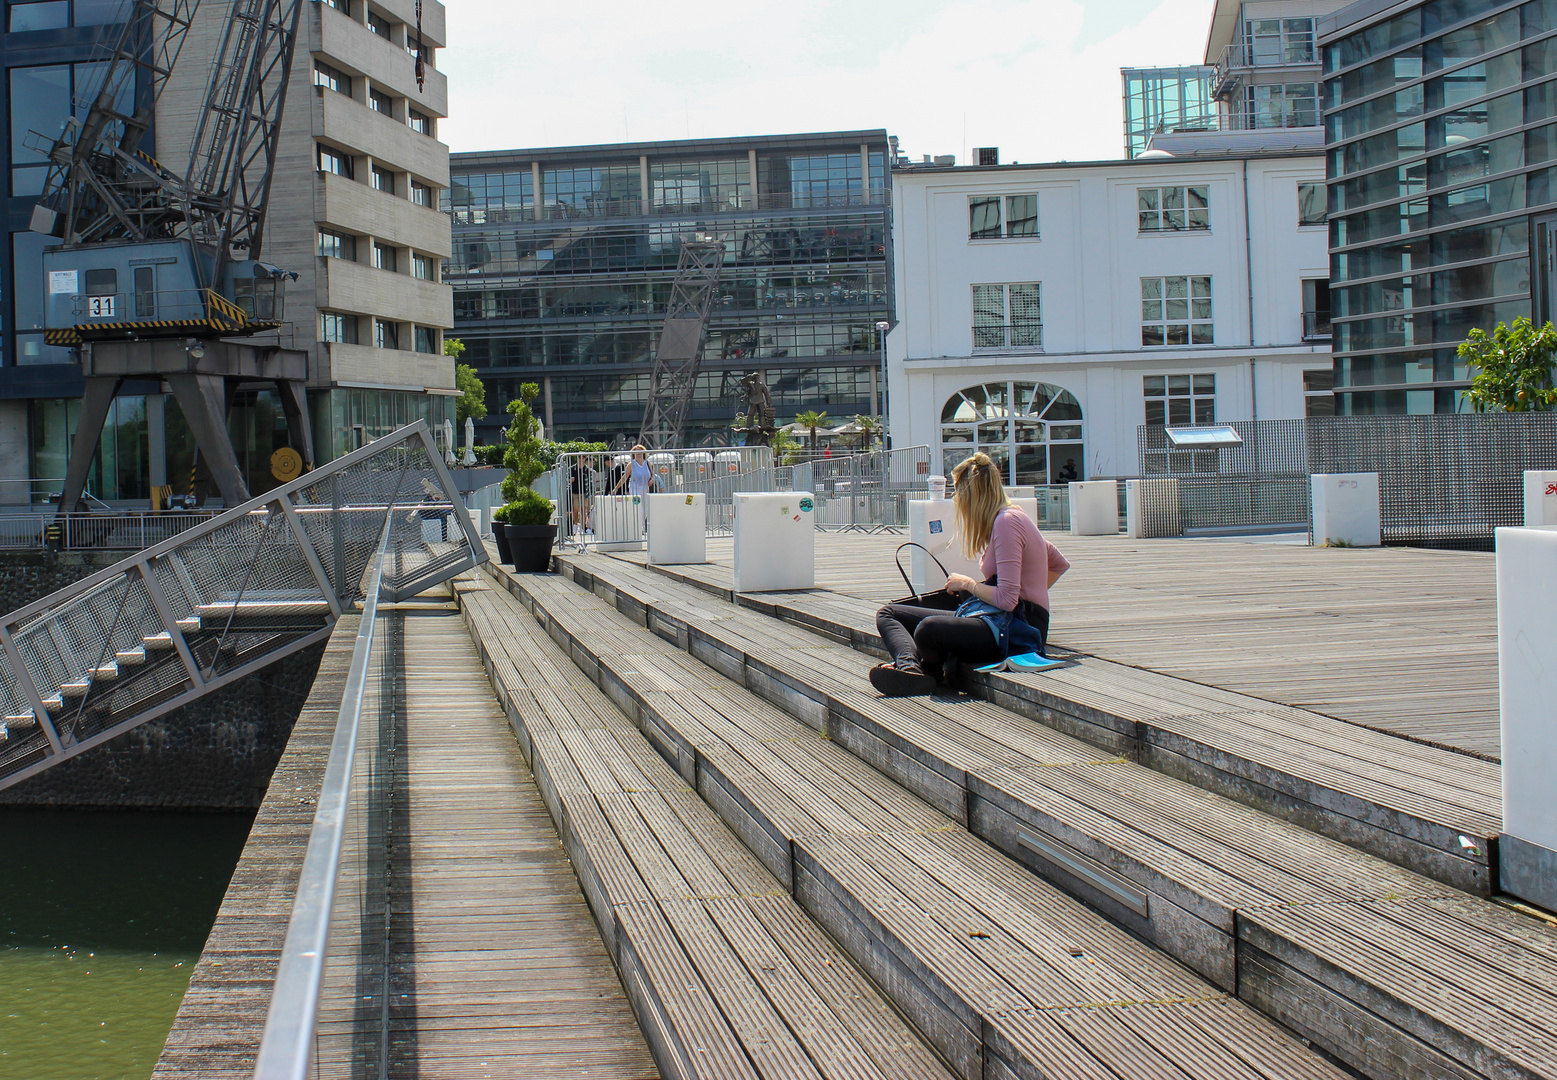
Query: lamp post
<point x="881" y="333"/>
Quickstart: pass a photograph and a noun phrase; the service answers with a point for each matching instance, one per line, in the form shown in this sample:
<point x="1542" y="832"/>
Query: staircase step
<point x="188" y="624"/>
<point x="21" y="721"/>
<point x="106" y="672"/>
<point x="54" y="703"/>
<point x="1003" y="973"/>
<point x="77" y="689"/>
<point x="217" y="613"/>
<point x="131" y="657"/>
<point x="1181" y="866"/>
<point x="1432" y="811"/>
<point x="155" y="642"/>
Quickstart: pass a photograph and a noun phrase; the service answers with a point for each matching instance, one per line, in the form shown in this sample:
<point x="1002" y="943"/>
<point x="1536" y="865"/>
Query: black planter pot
<point x="531" y="547"/>
<point x="500" y="535"/>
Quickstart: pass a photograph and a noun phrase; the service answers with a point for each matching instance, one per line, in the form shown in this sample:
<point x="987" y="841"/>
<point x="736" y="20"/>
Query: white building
<point x="1047" y="311"/>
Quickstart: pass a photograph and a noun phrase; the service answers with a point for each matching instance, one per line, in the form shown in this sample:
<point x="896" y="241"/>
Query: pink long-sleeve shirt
<point x="1022" y="558"/>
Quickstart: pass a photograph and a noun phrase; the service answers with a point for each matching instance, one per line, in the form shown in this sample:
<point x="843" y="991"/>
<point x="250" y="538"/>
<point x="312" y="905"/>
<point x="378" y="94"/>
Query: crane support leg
<point x="294" y="404"/>
<point x="100" y="391"/>
<point x="204" y="399"/>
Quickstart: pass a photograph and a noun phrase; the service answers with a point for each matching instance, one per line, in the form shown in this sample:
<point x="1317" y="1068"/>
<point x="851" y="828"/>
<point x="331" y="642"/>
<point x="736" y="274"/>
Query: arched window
<point x="1031" y="430"/>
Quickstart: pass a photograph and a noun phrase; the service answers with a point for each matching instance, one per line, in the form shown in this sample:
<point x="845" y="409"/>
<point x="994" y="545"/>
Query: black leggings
<point x="927" y="636"/>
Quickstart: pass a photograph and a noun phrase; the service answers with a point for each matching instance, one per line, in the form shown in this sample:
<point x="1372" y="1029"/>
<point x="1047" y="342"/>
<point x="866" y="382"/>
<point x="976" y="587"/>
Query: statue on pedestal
<point x="760" y="420"/>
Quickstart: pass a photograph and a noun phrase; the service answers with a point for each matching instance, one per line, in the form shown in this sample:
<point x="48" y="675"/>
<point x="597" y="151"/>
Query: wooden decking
<point x="497" y="966"/>
<point x="1396" y="639"/>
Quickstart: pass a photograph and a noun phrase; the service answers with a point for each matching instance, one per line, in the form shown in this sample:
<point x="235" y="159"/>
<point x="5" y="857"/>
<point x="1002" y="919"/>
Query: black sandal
<point x="892" y="681"/>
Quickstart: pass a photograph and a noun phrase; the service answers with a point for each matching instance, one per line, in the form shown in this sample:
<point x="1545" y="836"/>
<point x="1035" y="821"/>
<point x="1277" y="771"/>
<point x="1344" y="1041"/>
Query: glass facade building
<point x="564" y="258"/>
<point x="1166" y="99"/>
<point x="1441" y="143"/>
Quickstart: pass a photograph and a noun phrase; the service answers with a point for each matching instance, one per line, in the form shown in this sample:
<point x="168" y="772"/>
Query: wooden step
<point x="105" y="673"/>
<point x="1430" y="810"/>
<point x="157" y="642"/>
<point x="130" y="657"/>
<point x="21" y="721"/>
<point x="78" y="689"/>
<point x="1178" y="865"/>
<point x="1003" y="973"/>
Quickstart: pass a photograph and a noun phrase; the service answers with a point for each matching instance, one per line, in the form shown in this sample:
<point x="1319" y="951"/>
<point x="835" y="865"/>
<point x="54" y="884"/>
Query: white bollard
<point x="617" y="521"/>
<point x="933" y="523"/>
<point x="775" y="541"/>
<point x="1094" y="507"/>
<point x="1527" y="672"/>
<point x="1540" y="497"/>
<point x="678" y="529"/>
<point x="1152" y="508"/>
<point x="1346" y="509"/>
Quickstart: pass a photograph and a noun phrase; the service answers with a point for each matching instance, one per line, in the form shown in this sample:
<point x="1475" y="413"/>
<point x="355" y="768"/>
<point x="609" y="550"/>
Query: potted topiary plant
<point x="500" y="534"/>
<point x="529" y="526"/>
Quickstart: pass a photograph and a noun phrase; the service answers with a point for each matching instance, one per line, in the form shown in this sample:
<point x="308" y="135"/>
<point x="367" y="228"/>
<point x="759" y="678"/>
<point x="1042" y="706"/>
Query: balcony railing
<point x="587" y="208"/>
<point x="1242" y="55"/>
<point x="1316" y="326"/>
<point x="1026" y="335"/>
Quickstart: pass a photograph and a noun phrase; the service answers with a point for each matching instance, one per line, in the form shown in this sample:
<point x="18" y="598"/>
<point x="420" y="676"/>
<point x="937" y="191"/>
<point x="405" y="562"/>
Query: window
<point x="426" y="339"/>
<point x="1311" y="203"/>
<point x="54" y="15"/>
<point x="343" y="6"/>
<point x="1284" y="105"/>
<point x="335" y="161"/>
<point x="1318" y="392"/>
<point x="420" y="122"/>
<point x="1031" y="430"/>
<point x="1180" y="399"/>
<point x="1275" y="42"/>
<point x="334" y="326"/>
<point x="1007" y="316"/>
<point x="41" y="100"/>
<point x="381" y="103"/>
<point x="325" y="75"/>
<point x="385" y="257"/>
<point x="1173" y="209"/>
<point x="1176" y="311"/>
<point x="985" y="222"/>
<point x="145" y="292"/>
<point x="1316" y="309"/>
<point x="334" y="245"/>
<point x="383" y="180"/>
<point x="424" y="267"/>
<point x="101" y="282"/>
<point x="386" y="334"/>
<point x="378" y="24"/>
<point x="422" y="195"/>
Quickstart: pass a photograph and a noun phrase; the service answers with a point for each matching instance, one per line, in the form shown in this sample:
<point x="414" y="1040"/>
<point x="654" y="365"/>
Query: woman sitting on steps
<point x="1006" y="614"/>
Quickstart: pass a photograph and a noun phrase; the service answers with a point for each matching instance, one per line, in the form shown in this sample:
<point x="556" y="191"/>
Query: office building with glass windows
<point x="564" y="257"/>
<point x="1048" y="311"/>
<point x="355" y="211"/>
<point x="1441" y="129"/>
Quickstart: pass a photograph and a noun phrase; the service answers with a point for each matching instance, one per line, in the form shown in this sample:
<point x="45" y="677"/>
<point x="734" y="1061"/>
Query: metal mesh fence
<point x="223" y="599"/>
<point x="1444" y="479"/>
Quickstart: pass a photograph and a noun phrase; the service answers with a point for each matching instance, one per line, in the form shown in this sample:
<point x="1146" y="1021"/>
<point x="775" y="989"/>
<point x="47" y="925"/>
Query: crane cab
<point x="99" y="292"/>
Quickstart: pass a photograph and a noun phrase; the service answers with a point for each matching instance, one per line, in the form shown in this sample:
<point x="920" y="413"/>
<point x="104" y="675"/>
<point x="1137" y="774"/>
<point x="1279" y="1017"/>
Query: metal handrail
<point x="286" y="1049"/>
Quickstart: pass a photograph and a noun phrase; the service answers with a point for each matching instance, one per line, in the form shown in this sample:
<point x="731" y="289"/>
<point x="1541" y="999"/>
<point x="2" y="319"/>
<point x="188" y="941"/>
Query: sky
<point x="1037" y="78"/>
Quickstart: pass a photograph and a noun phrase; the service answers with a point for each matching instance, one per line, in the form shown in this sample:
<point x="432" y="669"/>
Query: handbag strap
<point x="897" y="557"/>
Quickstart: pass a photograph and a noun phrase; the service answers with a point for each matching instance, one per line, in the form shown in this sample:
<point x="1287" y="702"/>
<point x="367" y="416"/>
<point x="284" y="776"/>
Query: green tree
<point x="472" y="402"/>
<point x="525" y="459"/>
<point x="1513" y="367"/>
<point x="811" y="420"/>
<point x="869" y="427"/>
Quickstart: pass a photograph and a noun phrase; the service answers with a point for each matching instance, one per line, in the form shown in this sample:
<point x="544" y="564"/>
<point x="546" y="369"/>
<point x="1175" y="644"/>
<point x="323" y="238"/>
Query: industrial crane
<point x="158" y="268"/>
<point x="678" y="355"/>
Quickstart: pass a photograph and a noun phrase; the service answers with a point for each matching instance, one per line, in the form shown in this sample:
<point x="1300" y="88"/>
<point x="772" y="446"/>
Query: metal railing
<point x="866" y="492"/>
<point x="223" y="599"/>
<point x="1027" y="335"/>
<point x="332" y="963"/>
<point x="127" y="530"/>
<point x="621" y="517"/>
<point x="1316" y="326"/>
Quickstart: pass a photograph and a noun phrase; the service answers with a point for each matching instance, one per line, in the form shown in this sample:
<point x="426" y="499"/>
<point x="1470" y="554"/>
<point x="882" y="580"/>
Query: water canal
<point x="102" y="917"/>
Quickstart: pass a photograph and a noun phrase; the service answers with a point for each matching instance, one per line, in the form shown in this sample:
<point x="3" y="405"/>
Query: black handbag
<point x="940" y="599"/>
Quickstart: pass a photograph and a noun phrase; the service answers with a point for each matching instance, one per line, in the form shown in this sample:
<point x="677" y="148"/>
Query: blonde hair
<point x="639" y="448"/>
<point x="979" y="497"/>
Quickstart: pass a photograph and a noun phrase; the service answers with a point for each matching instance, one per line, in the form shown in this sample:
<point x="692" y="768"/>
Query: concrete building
<point x="564" y="259"/>
<point x="355" y="210"/>
<point x="1442" y="129"/>
<point x="1047" y="311"/>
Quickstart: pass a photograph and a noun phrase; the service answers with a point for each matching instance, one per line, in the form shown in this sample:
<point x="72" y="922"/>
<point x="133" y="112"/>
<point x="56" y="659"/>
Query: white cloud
<point x="1038" y="78"/>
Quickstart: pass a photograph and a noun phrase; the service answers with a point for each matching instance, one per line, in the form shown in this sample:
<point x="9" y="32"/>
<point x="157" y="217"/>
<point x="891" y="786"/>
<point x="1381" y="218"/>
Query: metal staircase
<point x="224" y="599"/>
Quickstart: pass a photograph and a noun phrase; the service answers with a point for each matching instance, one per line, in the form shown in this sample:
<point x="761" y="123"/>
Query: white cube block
<point x="618" y="521"/>
<point x="1152" y="508"/>
<point x="1094" y="507"/>
<point x="678" y="529"/>
<point x="1346" y="509"/>
<point x="933" y="523"/>
<point x="1540" y="497"/>
<point x="775" y="541"/>
<point x="1026" y="504"/>
<point x="1527" y="698"/>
